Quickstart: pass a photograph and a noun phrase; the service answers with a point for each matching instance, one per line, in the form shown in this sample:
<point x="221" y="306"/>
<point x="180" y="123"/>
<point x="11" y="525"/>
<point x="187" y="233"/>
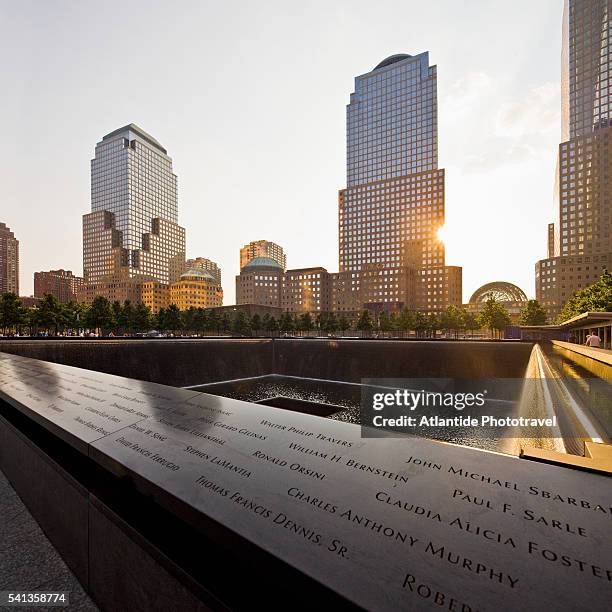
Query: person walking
<point x="593" y="340"/>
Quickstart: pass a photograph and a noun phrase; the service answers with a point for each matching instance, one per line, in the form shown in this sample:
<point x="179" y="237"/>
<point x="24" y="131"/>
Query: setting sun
<point x="442" y="233"/>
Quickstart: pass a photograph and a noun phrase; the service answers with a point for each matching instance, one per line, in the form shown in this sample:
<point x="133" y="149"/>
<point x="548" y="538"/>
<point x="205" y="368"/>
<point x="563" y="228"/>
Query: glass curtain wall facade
<point x="134" y="208"/>
<point x="390" y="213"/>
<point x="392" y="121"/>
<point x="583" y="183"/>
<point x="586" y="57"/>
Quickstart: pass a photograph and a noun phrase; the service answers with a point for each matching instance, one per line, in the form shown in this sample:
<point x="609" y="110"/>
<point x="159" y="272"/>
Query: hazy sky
<point x="249" y="99"/>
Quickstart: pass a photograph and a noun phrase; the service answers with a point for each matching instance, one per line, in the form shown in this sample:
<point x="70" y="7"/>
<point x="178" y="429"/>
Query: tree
<point x="394" y="320"/>
<point x="470" y="322"/>
<point x="73" y="315"/>
<point x="494" y="316"/>
<point x="594" y="298"/>
<point x="124" y="316"/>
<point x="200" y="320"/>
<point x="501" y="319"/>
<point x="384" y="322"/>
<point x="160" y="319"/>
<point x="343" y="323"/>
<point x="172" y="318"/>
<point x="406" y="320"/>
<point x="286" y="322"/>
<point x="365" y="323"/>
<point x="100" y="314"/>
<point x="487" y="314"/>
<point x="31" y="320"/>
<point x="225" y="323"/>
<point x="50" y="314"/>
<point x="420" y="323"/>
<point x="305" y="322"/>
<point x="142" y="318"/>
<point x="241" y="324"/>
<point x="213" y="322"/>
<point x="256" y="323"/>
<point x="127" y="316"/>
<point x="188" y="318"/>
<point x="532" y="314"/>
<point x="269" y="323"/>
<point x="118" y="316"/>
<point x="451" y="319"/>
<point x="12" y="313"/>
<point x="433" y="324"/>
<point x="331" y="324"/>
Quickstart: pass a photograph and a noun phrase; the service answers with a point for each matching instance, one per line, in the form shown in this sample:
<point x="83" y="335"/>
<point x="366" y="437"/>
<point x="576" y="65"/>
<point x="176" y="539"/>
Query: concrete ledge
<point x="599" y="354"/>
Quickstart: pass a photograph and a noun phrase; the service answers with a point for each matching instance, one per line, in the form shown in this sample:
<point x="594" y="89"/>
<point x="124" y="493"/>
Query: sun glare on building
<point x="442" y="234"/>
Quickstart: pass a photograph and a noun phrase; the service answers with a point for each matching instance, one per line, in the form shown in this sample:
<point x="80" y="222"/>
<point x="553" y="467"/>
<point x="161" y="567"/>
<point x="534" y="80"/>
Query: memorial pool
<point x="342" y="401"/>
<point x="125" y="474"/>
<point x="553" y="382"/>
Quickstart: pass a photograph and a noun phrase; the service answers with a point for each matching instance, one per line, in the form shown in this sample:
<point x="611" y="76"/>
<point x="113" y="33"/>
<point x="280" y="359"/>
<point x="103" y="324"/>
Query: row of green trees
<point x="50" y="316"/>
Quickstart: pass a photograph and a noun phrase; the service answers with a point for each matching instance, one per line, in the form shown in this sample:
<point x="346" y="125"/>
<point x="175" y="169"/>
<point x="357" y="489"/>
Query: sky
<point x="249" y="99"/>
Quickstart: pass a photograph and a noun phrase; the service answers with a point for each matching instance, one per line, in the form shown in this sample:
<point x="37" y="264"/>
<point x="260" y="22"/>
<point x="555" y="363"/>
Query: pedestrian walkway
<point x="28" y="560"/>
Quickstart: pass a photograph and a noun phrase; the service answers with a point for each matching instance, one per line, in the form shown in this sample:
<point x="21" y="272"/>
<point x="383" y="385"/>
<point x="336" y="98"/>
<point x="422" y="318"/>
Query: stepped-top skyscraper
<point x="393" y="206"/>
<point x="132" y="231"/>
<point x="582" y="234"/>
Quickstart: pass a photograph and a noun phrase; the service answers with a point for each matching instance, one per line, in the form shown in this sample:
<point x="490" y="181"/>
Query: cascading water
<point x="546" y="393"/>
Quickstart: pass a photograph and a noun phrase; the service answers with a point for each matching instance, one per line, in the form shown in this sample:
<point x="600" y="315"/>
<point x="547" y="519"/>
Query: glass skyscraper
<point x="392" y="121"/>
<point x="586" y="56"/>
<point x="582" y="234"/>
<point x="393" y="206"/>
<point x="132" y="229"/>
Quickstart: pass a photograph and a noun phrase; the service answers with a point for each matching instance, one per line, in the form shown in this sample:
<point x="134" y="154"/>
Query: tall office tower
<point x="60" y="283"/>
<point x="393" y="205"/>
<point x="9" y="261"/>
<point x="582" y="234"/>
<point x="202" y="263"/>
<point x="262" y="248"/>
<point x="132" y="230"/>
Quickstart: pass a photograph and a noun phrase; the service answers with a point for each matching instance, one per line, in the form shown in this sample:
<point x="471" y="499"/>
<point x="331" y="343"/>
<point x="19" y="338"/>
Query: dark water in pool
<point x="347" y="398"/>
<point x="556" y="382"/>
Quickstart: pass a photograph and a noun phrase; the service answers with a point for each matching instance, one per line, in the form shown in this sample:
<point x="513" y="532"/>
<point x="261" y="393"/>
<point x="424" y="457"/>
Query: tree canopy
<point x="494" y="317"/>
<point x="533" y="313"/>
<point x="127" y="318"/>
